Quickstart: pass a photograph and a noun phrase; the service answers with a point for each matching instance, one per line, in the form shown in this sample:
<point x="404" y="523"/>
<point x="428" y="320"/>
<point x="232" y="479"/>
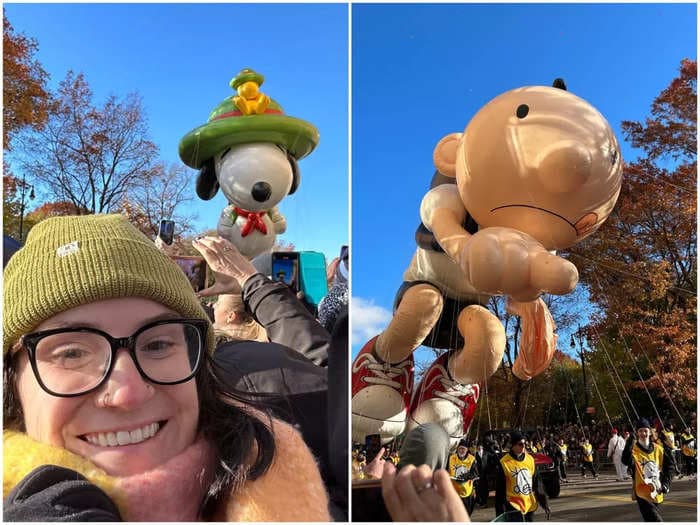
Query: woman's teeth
<point x="123" y="437"/>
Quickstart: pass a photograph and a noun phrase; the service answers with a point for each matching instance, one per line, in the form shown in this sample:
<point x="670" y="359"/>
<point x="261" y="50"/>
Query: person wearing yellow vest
<point x="651" y="471"/>
<point x="587" y="458"/>
<point x="518" y="486"/>
<point x="560" y="458"/>
<point x="463" y="471"/>
<point x="688" y="451"/>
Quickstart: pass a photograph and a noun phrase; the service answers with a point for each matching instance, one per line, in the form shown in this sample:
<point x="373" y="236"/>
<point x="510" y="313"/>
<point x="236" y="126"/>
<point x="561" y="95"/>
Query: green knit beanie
<point x="67" y="262"/>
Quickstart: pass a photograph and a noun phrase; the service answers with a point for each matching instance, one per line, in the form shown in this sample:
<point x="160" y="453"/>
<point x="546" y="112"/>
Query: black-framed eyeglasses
<point x="69" y="362"/>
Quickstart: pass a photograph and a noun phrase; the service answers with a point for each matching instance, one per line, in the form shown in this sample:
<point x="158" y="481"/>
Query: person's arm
<point x="474" y="471"/>
<point x="500" y="490"/>
<point x="667" y="470"/>
<point x="627" y="452"/>
<point x="272" y="304"/>
<point x="285" y="318"/>
<point x="541" y="494"/>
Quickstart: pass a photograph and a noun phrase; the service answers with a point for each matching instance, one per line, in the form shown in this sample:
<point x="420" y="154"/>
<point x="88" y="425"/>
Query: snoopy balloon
<point x="536" y="170"/>
<point x="249" y="148"/>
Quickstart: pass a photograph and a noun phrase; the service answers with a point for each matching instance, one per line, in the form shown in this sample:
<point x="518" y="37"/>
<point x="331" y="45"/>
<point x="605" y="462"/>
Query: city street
<point x="608" y="500"/>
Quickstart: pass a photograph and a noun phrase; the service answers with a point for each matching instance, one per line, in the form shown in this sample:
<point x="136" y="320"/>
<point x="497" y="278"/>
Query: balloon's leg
<point x="417" y="313"/>
<point x="484" y="344"/>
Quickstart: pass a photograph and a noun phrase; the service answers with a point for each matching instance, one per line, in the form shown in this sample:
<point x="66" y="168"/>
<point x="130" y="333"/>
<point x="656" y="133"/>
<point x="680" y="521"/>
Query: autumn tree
<point x="641" y="266"/>
<point x="89" y="155"/>
<point x="54" y="209"/>
<point x="25" y="98"/>
<point x="164" y="195"/>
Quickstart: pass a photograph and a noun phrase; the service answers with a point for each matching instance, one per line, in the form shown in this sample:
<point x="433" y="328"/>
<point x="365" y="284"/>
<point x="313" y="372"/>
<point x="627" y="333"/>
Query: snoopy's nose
<point x="261" y="191"/>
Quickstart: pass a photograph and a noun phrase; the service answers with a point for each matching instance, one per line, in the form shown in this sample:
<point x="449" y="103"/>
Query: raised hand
<point x="231" y="270"/>
<point x="418" y="494"/>
<point x="509" y="262"/>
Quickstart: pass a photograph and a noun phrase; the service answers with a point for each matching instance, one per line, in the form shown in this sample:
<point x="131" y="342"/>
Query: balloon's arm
<point x="537" y="341"/>
<point x="449" y="232"/>
<point x="443" y="213"/>
<point x="229" y="213"/>
<point x="277" y="219"/>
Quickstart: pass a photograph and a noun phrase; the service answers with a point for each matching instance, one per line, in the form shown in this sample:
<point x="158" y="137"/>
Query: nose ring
<point x="105" y="399"/>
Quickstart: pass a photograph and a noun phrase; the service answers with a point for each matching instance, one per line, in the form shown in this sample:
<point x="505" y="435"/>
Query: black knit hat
<point x="642" y="423"/>
<point x="463" y="443"/>
<point x="516" y="437"/>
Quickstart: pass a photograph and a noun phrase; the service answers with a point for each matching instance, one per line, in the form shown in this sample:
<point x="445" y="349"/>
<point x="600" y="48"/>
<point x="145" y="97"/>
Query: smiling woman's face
<point x="166" y="416"/>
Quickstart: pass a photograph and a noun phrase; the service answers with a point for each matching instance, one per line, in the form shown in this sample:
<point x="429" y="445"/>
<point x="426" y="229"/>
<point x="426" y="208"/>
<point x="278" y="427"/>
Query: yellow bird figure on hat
<point x="250" y="99"/>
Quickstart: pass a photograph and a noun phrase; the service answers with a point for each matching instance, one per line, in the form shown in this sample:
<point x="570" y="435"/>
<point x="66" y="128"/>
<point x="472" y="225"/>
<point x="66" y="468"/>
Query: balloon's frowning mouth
<point x="583" y="226"/>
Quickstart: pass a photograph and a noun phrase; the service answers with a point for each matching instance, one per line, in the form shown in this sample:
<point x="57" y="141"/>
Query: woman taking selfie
<point x="108" y="373"/>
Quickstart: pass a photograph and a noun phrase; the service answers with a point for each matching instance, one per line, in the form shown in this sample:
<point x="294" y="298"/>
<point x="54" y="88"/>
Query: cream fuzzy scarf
<point x="291" y="490"/>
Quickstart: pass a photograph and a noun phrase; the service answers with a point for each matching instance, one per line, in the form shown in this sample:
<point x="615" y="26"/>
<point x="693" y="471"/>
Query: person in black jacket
<point x="652" y="470"/>
<point x="293" y="367"/>
<point x="519" y="488"/>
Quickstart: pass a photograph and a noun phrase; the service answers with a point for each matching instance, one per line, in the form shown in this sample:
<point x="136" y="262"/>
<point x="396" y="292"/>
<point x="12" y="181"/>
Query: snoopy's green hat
<point x="242" y="119"/>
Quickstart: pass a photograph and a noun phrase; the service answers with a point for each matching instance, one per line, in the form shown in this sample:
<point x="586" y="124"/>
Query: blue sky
<point x="428" y="71"/>
<point x="181" y="57"/>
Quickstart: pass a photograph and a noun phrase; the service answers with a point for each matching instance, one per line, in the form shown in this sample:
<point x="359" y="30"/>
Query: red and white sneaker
<point x="442" y="400"/>
<point x="381" y="393"/>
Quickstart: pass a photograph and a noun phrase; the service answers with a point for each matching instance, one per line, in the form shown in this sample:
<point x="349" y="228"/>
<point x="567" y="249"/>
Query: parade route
<point x="607" y="500"/>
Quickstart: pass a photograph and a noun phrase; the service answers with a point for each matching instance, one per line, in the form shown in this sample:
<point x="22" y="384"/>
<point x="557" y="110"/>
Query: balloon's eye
<point x="522" y="111"/>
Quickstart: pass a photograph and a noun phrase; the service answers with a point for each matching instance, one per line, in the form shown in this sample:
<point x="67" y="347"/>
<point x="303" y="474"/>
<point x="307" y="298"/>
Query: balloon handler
<point x="249" y="148"/>
<point x="537" y="169"/>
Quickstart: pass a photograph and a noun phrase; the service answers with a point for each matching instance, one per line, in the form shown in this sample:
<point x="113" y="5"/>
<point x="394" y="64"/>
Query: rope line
<point x="660" y="382"/>
<point x="622" y="384"/>
<point x="634" y="362"/>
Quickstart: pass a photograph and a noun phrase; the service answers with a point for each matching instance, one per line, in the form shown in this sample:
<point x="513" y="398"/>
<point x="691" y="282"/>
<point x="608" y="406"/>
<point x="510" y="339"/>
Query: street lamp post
<point x="22" y="204"/>
<point x="582" y="356"/>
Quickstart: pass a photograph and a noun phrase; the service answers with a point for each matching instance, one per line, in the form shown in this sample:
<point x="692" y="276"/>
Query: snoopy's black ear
<point x="559" y="83"/>
<point x="296" y="177"/>
<point x="207" y="184"/>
